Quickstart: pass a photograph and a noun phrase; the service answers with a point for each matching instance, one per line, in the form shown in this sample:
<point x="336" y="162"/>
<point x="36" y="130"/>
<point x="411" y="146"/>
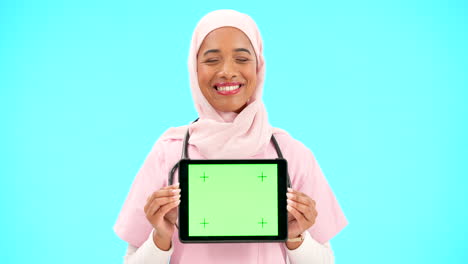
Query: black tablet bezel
<point x="282" y="203"/>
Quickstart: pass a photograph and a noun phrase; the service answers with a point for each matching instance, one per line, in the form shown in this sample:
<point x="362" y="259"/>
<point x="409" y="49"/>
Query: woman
<point x="226" y="73"/>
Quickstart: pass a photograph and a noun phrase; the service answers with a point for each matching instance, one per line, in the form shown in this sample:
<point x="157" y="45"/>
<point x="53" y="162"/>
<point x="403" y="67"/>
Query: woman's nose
<point x="228" y="70"/>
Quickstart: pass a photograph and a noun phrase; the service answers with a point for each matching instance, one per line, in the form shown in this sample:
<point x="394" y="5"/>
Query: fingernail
<point x="289" y="201"/>
<point x="176" y="184"/>
<point x="288" y="208"/>
<point x="289" y="195"/>
<point x="290" y="189"/>
<point x="176" y="191"/>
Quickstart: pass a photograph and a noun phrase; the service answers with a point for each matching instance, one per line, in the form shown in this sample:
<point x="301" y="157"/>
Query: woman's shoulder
<point x="289" y="144"/>
<point x="173" y="133"/>
<point x="169" y="141"/>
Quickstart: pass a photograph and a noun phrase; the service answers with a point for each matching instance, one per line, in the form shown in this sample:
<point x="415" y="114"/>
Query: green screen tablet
<point x="233" y="200"/>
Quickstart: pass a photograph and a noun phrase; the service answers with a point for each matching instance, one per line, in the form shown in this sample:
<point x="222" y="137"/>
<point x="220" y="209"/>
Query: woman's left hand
<point x="301" y="213"/>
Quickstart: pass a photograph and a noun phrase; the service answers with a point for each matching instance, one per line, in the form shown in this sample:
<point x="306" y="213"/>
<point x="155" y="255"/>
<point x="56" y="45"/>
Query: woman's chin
<point x="228" y="110"/>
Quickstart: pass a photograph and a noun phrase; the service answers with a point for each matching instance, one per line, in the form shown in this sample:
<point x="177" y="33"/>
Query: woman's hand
<point x="301" y="213"/>
<point x="161" y="212"/>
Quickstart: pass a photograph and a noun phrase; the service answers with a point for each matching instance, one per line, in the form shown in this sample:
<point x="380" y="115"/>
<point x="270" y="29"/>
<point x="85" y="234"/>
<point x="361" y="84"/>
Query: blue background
<point x="377" y="90"/>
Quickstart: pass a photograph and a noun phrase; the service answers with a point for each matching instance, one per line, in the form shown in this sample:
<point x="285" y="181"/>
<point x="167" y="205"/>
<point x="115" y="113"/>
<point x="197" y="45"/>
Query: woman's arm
<point x="311" y="251"/>
<point x="147" y="253"/>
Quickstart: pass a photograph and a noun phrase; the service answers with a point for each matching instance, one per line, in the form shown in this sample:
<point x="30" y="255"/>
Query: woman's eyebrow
<point x="217" y="50"/>
<point x="242" y="49"/>
<point x="211" y="50"/>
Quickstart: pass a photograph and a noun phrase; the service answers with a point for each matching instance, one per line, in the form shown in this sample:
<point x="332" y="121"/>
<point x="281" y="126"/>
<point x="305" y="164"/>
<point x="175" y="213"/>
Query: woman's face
<point x="227" y="72"/>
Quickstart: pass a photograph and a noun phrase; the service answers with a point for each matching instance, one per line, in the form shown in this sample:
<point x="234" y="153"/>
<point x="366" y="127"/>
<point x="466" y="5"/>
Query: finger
<point x="169" y="187"/>
<point x="163" y="193"/>
<point x="299" y="217"/>
<point x="302" y="208"/>
<point x="149" y="201"/>
<point x="150" y="198"/>
<point x="173" y="186"/>
<point x="168" y="192"/>
<point x="300" y="198"/>
<point x="166" y="208"/>
<point x="159" y="202"/>
<point x="307" y="210"/>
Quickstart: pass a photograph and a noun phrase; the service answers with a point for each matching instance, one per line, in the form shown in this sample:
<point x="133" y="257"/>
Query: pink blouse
<point x="306" y="176"/>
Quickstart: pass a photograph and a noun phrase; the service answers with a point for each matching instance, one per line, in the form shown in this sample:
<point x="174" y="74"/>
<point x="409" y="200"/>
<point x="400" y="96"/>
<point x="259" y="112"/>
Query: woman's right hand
<point x="161" y="212"/>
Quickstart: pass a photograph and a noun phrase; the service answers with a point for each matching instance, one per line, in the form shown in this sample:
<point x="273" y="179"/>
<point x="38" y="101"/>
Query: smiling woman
<point x="227" y="70"/>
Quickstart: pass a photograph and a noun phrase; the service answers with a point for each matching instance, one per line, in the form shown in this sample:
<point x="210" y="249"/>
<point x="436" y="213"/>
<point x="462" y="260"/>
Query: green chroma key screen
<point x="232" y="201"/>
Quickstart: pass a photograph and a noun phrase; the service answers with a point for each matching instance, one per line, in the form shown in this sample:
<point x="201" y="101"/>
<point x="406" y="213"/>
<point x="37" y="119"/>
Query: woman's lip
<point x="227" y="84"/>
<point x="229" y="92"/>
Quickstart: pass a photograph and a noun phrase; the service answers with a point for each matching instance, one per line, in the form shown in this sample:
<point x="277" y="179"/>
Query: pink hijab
<point x="227" y="135"/>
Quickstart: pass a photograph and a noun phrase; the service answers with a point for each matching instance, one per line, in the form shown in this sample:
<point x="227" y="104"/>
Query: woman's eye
<point x="242" y="59"/>
<point x="211" y="60"/>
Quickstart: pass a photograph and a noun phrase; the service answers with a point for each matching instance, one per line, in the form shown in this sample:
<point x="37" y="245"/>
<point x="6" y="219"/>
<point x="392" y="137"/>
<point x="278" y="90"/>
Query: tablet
<point x="233" y="200"/>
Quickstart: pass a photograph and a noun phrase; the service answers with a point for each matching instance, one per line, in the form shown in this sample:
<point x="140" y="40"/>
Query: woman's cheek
<point x="202" y="77"/>
<point x="205" y="76"/>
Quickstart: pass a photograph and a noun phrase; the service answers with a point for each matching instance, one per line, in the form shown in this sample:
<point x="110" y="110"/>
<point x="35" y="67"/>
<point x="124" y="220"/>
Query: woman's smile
<point x="228" y="88"/>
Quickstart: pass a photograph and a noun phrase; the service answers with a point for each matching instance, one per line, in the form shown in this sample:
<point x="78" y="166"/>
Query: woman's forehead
<point x="226" y="37"/>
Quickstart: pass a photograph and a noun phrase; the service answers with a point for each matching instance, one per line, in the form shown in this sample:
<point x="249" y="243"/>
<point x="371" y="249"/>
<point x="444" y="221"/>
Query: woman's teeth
<point x="227" y="88"/>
